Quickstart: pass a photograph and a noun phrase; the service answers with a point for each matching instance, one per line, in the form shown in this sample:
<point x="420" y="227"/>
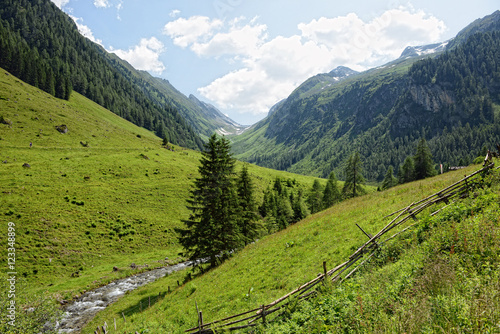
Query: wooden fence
<point x="346" y="269"/>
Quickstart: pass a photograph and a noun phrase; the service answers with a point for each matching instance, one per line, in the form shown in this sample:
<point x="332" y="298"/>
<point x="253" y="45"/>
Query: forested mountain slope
<point x="451" y="98"/>
<point x="42" y="45"/>
<point x="88" y="190"/>
<point x="203" y="117"/>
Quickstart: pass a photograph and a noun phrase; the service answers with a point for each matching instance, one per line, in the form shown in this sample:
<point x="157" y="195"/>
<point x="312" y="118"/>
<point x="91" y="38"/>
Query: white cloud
<point x="187" y="31"/>
<point x="239" y="40"/>
<point x="102" y="3"/>
<point x="119" y="7"/>
<point x="60" y="3"/>
<point x="379" y="40"/>
<point x="85" y="30"/>
<point x="145" y="56"/>
<point x="272" y="67"/>
<point x="174" y="13"/>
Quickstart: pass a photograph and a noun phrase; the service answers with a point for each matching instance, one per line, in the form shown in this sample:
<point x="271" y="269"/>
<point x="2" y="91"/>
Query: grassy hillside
<point x="103" y="194"/>
<point x="279" y="263"/>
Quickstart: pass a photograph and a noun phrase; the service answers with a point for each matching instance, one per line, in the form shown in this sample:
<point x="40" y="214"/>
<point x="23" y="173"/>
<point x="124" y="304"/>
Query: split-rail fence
<point x="346" y="269"/>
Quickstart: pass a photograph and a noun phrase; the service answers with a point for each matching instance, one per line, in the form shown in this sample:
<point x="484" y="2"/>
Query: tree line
<point x="225" y="215"/>
<point x="380" y="118"/>
<point x="42" y="46"/>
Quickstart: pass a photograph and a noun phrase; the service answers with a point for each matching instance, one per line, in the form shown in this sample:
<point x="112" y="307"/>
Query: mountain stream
<point x="78" y="313"/>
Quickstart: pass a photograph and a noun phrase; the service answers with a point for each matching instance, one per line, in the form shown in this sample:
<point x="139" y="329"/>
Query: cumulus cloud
<point x="242" y="40"/>
<point x="174" y="13"/>
<point x="379" y="40"/>
<point x="102" y="3"/>
<point x="60" y="3"/>
<point x="270" y="68"/>
<point x="144" y="56"/>
<point x="85" y="30"/>
<point x="187" y="31"/>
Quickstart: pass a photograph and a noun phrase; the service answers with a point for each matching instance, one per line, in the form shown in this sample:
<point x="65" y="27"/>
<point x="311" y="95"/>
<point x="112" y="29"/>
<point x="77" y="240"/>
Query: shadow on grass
<point x="143" y="304"/>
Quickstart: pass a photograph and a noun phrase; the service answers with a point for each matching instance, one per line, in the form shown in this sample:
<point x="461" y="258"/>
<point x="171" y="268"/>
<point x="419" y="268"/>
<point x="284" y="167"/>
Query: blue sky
<point x="243" y="56"/>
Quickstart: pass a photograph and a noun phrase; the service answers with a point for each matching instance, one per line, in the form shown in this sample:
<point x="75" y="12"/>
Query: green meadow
<point x="279" y="263"/>
<point x="104" y="194"/>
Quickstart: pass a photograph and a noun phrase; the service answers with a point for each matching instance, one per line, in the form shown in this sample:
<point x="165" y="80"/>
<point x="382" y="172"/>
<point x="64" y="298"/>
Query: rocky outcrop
<point x="431" y="97"/>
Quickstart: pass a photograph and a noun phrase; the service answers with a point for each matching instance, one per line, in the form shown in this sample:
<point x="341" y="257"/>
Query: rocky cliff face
<point x="431" y="97"/>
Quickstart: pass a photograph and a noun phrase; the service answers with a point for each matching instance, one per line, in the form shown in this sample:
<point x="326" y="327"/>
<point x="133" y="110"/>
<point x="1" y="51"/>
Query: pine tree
<point x="406" y="172"/>
<point x="424" y="166"/>
<point x="314" y="198"/>
<point x="284" y="214"/>
<point x="331" y="195"/>
<point x="300" y="210"/>
<point x="247" y="206"/>
<point x="212" y="230"/>
<point x="389" y="179"/>
<point x="353" y="177"/>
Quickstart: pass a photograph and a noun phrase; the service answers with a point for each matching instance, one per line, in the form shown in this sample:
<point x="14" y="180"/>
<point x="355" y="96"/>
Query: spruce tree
<point x="353" y="177"/>
<point x="300" y="210"/>
<point x="314" y="198"/>
<point x="248" y="216"/>
<point x="212" y="230"/>
<point x="424" y="166"/>
<point x="407" y="171"/>
<point x="331" y="195"/>
<point x="389" y="179"/>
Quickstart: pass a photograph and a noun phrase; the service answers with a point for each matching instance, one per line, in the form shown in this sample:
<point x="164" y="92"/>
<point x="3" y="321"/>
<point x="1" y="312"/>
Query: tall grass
<point x="105" y="194"/>
<point x="277" y="264"/>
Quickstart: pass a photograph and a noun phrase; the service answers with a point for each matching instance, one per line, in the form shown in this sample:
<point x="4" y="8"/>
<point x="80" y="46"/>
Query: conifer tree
<point x="300" y="210"/>
<point x="247" y="207"/>
<point x="331" y="195"/>
<point x="314" y="198"/>
<point x="424" y="166"/>
<point x="407" y="171"/>
<point x="212" y="230"/>
<point x="353" y="177"/>
<point x="389" y="179"/>
<point x="284" y="213"/>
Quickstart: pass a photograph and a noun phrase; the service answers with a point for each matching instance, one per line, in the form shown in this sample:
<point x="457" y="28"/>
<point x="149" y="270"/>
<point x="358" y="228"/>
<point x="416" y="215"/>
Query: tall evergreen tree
<point x="285" y="212"/>
<point x="353" y="177"/>
<point x="248" y="208"/>
<point x="424" y="166"/>
<point x="389" y="179"/>
<point x="212" y="230"/>
<point x="406" y="172"/>
<point x="300" y="210"/>
<point x="314" y="198"/>
<point x="331" y="195"/>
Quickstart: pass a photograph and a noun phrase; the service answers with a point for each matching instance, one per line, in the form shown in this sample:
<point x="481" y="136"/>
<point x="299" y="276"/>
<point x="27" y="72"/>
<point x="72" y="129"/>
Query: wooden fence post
<point x="114" y="320"/>
<point x="324" y="272"/>
<point x="263" y="314"/>
<point x="198" y="315"/>
<point x="123" y="314"/>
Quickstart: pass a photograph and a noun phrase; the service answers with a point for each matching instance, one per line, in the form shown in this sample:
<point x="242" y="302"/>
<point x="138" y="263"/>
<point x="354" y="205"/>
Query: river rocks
<point x="82" y="310"/>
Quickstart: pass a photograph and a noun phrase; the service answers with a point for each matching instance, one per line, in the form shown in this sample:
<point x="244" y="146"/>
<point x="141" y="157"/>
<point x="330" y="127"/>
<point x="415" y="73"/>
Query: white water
<point x="86" y="307"/>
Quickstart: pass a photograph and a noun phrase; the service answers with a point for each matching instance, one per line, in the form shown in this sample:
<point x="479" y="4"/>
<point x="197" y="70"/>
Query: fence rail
<point x="451" y="193"/>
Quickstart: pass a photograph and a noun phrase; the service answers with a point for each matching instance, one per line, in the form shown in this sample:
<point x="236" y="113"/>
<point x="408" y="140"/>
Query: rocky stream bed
<point x="82" y="310"/>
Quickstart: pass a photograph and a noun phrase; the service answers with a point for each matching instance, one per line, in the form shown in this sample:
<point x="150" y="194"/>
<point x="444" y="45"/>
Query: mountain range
<point x="447" y="93"/>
